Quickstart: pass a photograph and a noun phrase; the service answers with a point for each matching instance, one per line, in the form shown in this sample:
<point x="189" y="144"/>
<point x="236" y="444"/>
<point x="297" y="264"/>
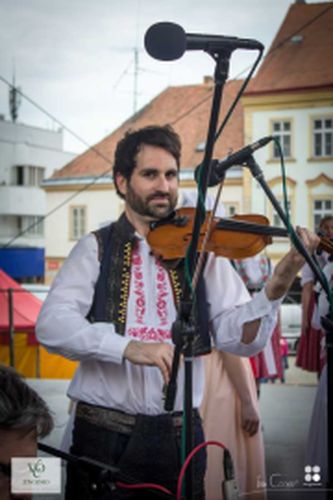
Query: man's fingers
<point x="304" y="235"/>
<point x="164" y="366"/>
<point x="309" y="239"/>
<point x="159" y="355"/>
<point x="164" y="363"/>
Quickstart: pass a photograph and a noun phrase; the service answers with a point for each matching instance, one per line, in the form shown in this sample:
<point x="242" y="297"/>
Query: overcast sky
<point x="75" y="58"/>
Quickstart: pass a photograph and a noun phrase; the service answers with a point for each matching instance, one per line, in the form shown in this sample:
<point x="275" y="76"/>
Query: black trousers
<point x="150" y="454"/>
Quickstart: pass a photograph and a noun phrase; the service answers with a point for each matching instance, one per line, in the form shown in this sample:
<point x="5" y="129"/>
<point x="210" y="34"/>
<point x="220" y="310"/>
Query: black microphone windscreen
<point x="165" y="41"/>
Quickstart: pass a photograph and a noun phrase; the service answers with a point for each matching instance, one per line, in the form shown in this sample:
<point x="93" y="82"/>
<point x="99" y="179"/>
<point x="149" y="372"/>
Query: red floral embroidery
<point x="138" y="287"/>
<point x="145" y="333"/>
<point x="162" y="293"/>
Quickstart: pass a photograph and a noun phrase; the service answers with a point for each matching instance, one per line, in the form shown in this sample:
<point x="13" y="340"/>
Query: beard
<point x="142" y="206"/>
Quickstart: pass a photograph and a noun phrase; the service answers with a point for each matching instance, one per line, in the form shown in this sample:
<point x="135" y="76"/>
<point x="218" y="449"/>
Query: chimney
<point x="208" y="80"/>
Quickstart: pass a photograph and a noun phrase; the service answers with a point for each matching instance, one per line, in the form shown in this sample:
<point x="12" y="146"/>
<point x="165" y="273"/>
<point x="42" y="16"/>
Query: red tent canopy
<point x="29" y="358"/>
<point x="26" y="307"/>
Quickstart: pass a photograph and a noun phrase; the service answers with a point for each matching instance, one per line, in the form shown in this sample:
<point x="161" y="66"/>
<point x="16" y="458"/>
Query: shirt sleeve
<point x="231" y="306"/>
<point x="62" y="326"/>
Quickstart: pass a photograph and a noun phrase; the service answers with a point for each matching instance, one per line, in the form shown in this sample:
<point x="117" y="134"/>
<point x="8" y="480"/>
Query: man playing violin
<point x="112" y="306"/>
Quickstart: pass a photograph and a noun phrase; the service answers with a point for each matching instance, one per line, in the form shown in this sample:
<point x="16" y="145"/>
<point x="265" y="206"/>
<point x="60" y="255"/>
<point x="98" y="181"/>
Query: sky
<point x="76" y="58"/>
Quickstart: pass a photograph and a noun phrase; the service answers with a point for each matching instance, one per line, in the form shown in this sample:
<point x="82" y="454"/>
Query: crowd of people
<point x="112" y="307"/>
<point x="311" y="354"/>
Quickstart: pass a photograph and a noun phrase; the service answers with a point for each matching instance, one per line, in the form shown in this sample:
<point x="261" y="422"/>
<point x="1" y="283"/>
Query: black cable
<point x="43" y="110"/>
<point x="281" y="44"/>
<point x="306" y="25"/>
<point x="92" y="148"/>
<point x="43" y="217"/>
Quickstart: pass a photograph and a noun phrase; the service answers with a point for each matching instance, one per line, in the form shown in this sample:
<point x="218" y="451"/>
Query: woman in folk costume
<point x="317" y="444"/>
<point x="230" y="412"/>
<point x="311" y="352"/>
<point x="255" y="272"/>
<point x="231" y="416"/>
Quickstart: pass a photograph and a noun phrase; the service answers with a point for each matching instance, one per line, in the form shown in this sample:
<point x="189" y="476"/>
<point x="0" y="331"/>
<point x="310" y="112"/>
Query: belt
<point x="119" y="421"/>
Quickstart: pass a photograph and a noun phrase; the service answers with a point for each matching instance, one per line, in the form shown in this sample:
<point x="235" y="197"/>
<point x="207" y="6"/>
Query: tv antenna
<point x="14" y="99"/>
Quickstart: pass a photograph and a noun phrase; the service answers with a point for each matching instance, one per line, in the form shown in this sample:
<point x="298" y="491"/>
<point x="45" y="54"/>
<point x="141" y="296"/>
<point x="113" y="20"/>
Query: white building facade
<point x="27" y="156"/>
<point x="303" y="123"/>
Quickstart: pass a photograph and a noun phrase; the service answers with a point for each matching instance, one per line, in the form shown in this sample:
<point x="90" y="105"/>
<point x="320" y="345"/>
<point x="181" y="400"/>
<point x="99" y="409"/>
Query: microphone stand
<point x="183" y="328"/>
<point x="327" y="322"/>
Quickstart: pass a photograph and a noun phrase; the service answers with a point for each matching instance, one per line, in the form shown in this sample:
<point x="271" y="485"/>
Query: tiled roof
<point x="300" y="56"/>
<point x="187" y="109"/>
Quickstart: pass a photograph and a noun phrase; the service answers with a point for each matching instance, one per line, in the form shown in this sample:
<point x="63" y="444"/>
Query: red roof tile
<point x="187" y="109"/>
<point x="300" y="56"/>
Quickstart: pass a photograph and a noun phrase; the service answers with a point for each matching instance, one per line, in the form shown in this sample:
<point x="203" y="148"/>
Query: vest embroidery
<point x="119" y="258"/>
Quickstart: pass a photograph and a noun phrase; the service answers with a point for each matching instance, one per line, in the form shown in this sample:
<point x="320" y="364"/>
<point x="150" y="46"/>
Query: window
<point x="230" y="209"/>
<point x="200" y="147"/>
<point x="320" y="209"/>
<point x="19" y="176"/>
<point x="282" y="130"/>
<point x="78" y="222"/>
<point x="27" y="175"/>
<point x="322" y="137"/>
<point x="32" y="225"/>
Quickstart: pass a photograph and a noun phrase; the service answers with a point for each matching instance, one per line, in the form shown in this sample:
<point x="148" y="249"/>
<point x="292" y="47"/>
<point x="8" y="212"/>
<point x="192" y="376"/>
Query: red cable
<point x="180" y="477"/>
<point x="187" y="461"/>
<point x="143" y="485"/>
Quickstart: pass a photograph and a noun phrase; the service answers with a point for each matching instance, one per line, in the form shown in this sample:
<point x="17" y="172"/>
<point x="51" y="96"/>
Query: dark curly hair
<point x="20" y="406"/>
<point x="325" y="219"/>
<point x="128" y="148"/>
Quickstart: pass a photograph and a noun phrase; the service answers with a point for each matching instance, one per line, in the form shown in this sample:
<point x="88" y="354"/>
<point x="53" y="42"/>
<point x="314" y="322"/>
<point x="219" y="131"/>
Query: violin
<point x="236" y="237"/>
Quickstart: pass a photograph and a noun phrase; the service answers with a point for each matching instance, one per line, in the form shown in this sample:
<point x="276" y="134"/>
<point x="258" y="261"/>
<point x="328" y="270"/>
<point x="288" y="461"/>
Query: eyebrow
<point x="156" y="170"/>
<point x="148" y="169"/>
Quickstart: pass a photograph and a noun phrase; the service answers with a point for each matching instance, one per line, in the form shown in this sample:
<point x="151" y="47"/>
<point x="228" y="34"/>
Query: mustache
<point x="159" y="194"/>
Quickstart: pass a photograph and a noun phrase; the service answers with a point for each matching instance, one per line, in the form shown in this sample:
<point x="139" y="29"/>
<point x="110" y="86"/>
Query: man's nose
<point x="163" y="184"/>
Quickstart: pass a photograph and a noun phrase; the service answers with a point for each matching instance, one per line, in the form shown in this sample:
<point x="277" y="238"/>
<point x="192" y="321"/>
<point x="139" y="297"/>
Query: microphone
<point x="168" y="41"/>
<point x="219" y="168"/>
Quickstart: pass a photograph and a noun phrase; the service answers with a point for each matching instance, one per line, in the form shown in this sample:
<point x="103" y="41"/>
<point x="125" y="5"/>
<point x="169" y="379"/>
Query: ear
<point x="121" y="183"/>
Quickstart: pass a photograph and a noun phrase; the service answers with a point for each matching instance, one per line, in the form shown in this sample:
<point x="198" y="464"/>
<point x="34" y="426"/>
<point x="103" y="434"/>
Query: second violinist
<point x="112" y="306"/>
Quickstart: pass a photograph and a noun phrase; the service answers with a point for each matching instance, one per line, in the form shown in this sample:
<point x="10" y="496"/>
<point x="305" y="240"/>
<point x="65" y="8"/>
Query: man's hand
<point x="159" y="354"/>
<point x="286" y="270"/>
<point x="283" y="276"/>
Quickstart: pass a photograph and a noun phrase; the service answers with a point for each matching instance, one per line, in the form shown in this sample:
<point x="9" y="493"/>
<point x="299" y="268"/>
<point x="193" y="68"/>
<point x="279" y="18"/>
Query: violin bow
<point x="201" y="259"/>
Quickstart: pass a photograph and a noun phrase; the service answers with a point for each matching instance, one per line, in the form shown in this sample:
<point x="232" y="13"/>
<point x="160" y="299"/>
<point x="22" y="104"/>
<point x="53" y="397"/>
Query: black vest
<point x="115" y="246"/>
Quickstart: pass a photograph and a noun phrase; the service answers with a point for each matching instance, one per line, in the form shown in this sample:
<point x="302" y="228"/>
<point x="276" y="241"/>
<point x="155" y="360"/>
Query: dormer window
<point x="296" y="39"/>
<point x="200" y="147"/>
